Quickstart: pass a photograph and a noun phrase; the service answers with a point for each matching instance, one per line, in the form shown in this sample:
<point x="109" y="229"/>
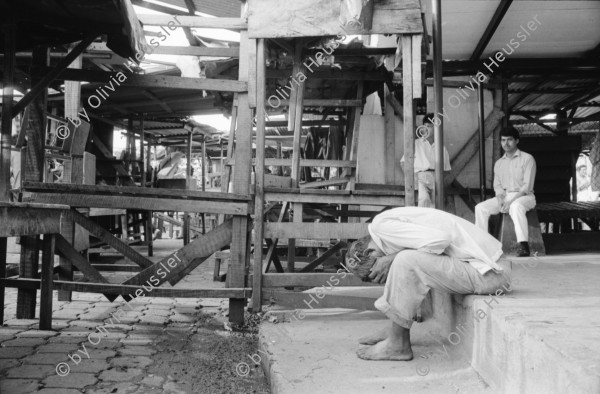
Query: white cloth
<point x="425" y="181"/>
<point x="515" y="174"/>
<point x="413" y="273"/>
<point x="425" y="156"/>
<point x="434" y="231"/>
<point x="517" y="212"/>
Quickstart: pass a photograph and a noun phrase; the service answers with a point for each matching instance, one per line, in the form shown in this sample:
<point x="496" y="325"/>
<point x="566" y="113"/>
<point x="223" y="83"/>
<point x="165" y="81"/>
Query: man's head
<point x="428" y="122"/>
<point x="361" y="256"/>
<point x="509" y="139"/>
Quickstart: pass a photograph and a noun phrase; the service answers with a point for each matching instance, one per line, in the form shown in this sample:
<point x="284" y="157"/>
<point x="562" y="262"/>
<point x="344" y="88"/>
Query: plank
<point x="271" y="195"/>
<point x="324" y="103"/>
<point x="316" y="230"/>
<point x="327" y="183"/>
<point x="136" y="191"/>
<point x="312" y="280"/>
<point x="169" y="219"/>
<point x="25" y="221"/>
<point x="197" y="51"/>
<point x="130" y="290"/>
<point x="184" y="83"/>
<point x="305" y="163"/>
<point x="46" y="285"/>
<point x="296" y="300"/>
<point x="184" y="258"/>
<point x="142" y="203"/>
<point x="307" y="18"/>
<point x="68" y="251"/>
<point x="334" y="74"/>
<point x="99" y="232"/>
<point x="417" y="86"/>
<point x="235" y="24"/>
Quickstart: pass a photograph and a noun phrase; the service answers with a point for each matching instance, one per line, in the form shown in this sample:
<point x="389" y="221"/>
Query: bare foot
<point x="374" y="338"/>
<point x="386" y="350"/>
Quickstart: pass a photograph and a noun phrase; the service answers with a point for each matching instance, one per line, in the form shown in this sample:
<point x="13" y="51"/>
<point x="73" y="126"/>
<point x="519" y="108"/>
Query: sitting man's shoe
<point x="523" y="249"/>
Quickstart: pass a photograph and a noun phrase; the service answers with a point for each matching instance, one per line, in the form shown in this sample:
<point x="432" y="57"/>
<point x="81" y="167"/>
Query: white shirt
<point x="515" y="174"/>
<point x="425" y="156"/>
<point x="434" y="231"/>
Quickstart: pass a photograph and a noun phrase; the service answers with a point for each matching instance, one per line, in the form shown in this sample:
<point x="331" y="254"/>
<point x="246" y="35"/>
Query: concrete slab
<point x="541" y="337"/>
<point x="317" y="354"/>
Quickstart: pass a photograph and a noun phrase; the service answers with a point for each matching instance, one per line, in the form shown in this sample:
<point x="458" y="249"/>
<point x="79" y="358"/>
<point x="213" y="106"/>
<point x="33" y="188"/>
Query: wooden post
<point x="409" y="122"/>
<point x="390" y="138"/>
<point x="5" y="139"/>
<point x="296" y="108"/>
<point x="142" y="154"/>
<point x="260" y="176"/>
<point x="241" y="178"/>
<point x="481" y="103"/>
<point x="203" y="179"/>
<point x="33" y="171"/>
<point x="438" y="127"/>
<point x="188" y="184"/>
<point x="46" y="285"/>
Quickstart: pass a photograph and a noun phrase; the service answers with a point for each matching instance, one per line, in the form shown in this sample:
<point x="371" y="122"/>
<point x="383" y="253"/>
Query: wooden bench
<point x="503" y="228"/>
<point x="563" y="229"/>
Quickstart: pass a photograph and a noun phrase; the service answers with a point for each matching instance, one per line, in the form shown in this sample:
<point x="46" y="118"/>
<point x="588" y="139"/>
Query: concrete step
<point x="314" y="351"/>
<point x="543" y="337"/>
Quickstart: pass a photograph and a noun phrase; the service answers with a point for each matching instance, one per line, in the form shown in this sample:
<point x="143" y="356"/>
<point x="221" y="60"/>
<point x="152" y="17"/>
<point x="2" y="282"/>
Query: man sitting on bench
<point x="413" y="250"/>
<point x="514" y="176"/>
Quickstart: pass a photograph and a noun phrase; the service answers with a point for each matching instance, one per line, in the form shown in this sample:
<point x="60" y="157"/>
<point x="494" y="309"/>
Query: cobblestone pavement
<point x="155" y="345"/>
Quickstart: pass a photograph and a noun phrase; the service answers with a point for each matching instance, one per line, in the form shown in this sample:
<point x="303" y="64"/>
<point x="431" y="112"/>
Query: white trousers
<point x="413" y="273"/>
<point x="425" y="181"/>
<point x="517" y="212"/>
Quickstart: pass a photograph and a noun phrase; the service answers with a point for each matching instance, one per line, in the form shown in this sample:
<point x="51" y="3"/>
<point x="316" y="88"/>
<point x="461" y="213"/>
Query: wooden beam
<point x="29" y="221"/>
<point x="259" y="207"/>
<point x="316" y="230"/>
<point x="330" y="198"/>
<point x="308" y="18"/>
<point x="295" y="300"/>
<point x="123" y="290"/>
<point x="306" y="163"/>
<point x="133" y="191"/>
<point x="236" y="276"/>
<point x="491" y="28"/>
<point x="324" y="103"/>
<point x="184" y="259"/>
<point x="311" y="280"/>
<point x="173" y="82"/>
<point x="45" y="82"/>
<point x="334" y="74"/>
<point x="141" y="203"/>
<point x="7" y="111"/>
<point x="236" y="24"/>
<point x="46" y="279"/>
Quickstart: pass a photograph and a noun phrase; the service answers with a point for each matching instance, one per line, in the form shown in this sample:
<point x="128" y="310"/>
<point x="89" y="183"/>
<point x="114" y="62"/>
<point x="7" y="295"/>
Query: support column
<point x="295" y="120"/>
<point x="409" y="122"/>
<point x="438" y="108"/>
<point x="33" y="171"/>
<point x="5" y="139"/>
<point x="481" y="143"/>
<point x="260" y="176"/>
<point x="241" y="178"/>
<point x="188" y="186"/>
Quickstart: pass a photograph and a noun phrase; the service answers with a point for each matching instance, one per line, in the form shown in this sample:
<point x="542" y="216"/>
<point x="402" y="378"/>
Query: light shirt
<point x="433" y="231"/>
<point x="425" y="156"/>
<point x="515" y="174"/>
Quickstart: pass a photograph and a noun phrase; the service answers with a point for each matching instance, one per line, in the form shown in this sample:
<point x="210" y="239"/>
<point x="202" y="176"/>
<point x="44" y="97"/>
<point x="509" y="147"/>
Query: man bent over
<point x="413" y="250"/>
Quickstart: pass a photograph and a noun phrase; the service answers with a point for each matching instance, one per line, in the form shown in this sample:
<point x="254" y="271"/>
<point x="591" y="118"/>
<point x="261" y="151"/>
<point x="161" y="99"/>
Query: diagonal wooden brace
<point x="105" y="235"/>
<point x="173" y="267"/>
<point x="69" y="252"/>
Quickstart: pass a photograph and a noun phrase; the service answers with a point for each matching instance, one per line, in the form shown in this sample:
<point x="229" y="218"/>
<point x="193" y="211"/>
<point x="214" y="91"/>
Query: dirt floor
<point x="168" y="345"/>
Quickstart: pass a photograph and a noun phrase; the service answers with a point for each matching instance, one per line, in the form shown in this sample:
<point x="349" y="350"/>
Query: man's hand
<point x="381" y="268"/>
